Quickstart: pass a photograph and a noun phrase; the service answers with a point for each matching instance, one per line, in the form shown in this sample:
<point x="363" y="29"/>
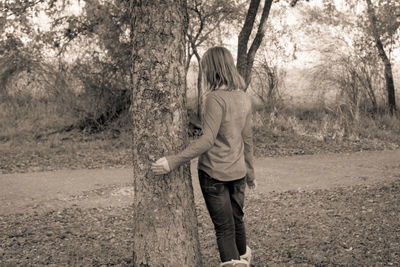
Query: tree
<point x="245" y="55"/>
<point x="15" y="56"/>
<point x="278" y="48"/>
<point x="379" y="29"/>
<point x="165" y="222"/>
<point x="91" y="48"/>
<point x="370" y="31"/>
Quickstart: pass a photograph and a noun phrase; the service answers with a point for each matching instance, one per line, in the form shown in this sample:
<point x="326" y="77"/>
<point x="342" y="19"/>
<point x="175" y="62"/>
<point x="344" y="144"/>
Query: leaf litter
<point x="356" y="226"/>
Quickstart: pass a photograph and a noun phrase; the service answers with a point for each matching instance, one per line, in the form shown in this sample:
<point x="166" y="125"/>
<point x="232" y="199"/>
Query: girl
<point x="226" y="154"/>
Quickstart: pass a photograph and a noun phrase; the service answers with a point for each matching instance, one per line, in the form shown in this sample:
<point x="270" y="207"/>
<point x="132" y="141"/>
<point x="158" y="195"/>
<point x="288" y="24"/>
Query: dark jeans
<point x="224" y="201"/>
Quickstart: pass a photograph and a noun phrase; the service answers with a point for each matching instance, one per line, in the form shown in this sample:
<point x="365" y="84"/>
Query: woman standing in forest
<point x="226" y="154"/>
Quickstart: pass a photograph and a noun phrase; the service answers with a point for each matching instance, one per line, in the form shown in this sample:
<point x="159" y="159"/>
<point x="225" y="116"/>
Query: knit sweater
<point x="226" y="146"/>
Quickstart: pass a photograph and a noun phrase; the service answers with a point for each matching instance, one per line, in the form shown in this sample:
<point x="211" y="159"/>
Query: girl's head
<point x="219" y="70"/>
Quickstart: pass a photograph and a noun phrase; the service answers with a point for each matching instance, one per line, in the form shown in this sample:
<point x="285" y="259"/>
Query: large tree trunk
<point x="245" y="57"/>
<point x="165" y="222"/>
<point x="382" y="54"/>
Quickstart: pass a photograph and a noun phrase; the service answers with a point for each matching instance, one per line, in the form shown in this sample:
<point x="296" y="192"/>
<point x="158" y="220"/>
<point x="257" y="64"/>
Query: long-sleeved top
<point x="226" y="146"/>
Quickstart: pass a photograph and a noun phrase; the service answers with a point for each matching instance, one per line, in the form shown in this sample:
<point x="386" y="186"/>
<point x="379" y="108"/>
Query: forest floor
<point x="317" y="209"/>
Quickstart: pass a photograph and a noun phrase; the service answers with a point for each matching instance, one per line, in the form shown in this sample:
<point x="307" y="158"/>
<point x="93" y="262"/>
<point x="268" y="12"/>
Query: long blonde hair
<point x="218" y="69"/>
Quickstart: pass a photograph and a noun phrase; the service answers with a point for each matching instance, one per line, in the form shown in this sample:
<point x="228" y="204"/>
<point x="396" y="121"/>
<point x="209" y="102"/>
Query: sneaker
<point x="247" y="255"/>
<point x="235" y="263"/>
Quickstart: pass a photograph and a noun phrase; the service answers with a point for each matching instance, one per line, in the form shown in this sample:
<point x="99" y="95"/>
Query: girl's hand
<point x="161" y="166"/>
<point x="252" y="185"/>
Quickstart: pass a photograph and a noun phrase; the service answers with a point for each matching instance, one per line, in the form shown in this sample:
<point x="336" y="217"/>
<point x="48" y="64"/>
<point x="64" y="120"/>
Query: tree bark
<point x="386" y="62"/>
<point x="165" y="222"/>
<point x="244" y="37"/>
<point x="199" y="88"/>
<point x="388" y="76"/>
<point x="245" y="57"/>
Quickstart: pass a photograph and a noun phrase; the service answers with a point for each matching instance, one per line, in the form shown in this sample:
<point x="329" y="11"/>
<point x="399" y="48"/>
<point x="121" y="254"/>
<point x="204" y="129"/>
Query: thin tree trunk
<point x="382" y="54"/>
<point x="244" y="37"/>
<point x="165" y="222"/>
<point x="388" y="77"/>
<point x="245" y="58"/>
<point x="199" y="89"/>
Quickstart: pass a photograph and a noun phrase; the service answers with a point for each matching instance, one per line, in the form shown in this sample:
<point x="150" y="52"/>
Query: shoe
<point x="235" y="263"/>
<point x="247" y="255"/>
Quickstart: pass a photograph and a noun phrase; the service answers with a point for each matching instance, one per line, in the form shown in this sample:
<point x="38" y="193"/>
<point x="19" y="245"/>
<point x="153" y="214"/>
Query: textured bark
<point x="165" y="222"/>
<point x="389" y="82"/>
<point x="382" y="54"/>
<point x="244" y="36"/>
<point x="199" y="88"/>
<point x="245" y="57"/>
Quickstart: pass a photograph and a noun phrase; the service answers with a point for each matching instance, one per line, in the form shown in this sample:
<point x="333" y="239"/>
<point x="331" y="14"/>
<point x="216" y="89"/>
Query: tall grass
<point x="334" y="122"/>
<point x="25" y="116"/>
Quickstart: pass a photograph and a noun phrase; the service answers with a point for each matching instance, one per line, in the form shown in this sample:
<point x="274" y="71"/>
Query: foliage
<point x="206" y="21"/>
<point x="355" y="78"/>
<point x="16" y="58"/>
<point x="387" y="21"/>
<point x="266" y="83"/>
<point x="103" y="71"/>
<point x="361" y="47"/>
<point x="54" y="57"/>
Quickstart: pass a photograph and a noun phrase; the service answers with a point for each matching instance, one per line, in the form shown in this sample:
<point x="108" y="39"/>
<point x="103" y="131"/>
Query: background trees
<point x="87" y="44"/>
<point x="358" y="54"/>
<point x="383" y="30"/>
<point x="86" y="47"/>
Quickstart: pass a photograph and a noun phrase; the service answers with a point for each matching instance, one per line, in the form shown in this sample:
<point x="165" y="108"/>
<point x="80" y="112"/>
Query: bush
<point x="105" y="94"/>
<point x="334" y="122"/>
<point x="23" y="115"/>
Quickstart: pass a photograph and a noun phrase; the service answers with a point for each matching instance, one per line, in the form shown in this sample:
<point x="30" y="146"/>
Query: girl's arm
<point x="247" y="135"/>
<point x="212" y="121"/>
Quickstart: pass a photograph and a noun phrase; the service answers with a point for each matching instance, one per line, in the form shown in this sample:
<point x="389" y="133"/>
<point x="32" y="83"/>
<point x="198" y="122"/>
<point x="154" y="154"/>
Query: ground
<point x="309" y="210"/>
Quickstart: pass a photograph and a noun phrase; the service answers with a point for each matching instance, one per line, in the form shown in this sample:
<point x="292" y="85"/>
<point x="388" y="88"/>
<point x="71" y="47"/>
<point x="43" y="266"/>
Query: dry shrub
<point x="335" y="122"/>
<point x="25" y="116"/>
<point x="266" y="83"/>
<point x="105" y="94"/>
<point x="67" y="98"/>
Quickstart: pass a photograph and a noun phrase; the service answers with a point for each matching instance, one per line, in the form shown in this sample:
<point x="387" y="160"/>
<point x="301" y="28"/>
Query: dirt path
<point x="30" y="192"/>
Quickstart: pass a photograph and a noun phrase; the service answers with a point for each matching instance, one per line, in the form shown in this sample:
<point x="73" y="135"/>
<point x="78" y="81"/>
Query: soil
<point x="22" y="192"/>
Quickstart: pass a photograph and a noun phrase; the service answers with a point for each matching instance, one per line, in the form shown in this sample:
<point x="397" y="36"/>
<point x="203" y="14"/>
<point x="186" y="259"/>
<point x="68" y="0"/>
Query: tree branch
<point x="260" y="33"/>
<point x="245" y="35"/>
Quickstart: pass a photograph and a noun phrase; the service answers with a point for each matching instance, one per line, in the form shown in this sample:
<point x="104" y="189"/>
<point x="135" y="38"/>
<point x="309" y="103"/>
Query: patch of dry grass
<point x="24" y="118"/>
<point x="330" y="125"/>
<point x="71" y="150"/>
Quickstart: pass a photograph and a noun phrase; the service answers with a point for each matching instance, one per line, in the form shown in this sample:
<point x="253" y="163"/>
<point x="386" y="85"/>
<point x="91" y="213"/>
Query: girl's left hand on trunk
<point x="161" y="166"/>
